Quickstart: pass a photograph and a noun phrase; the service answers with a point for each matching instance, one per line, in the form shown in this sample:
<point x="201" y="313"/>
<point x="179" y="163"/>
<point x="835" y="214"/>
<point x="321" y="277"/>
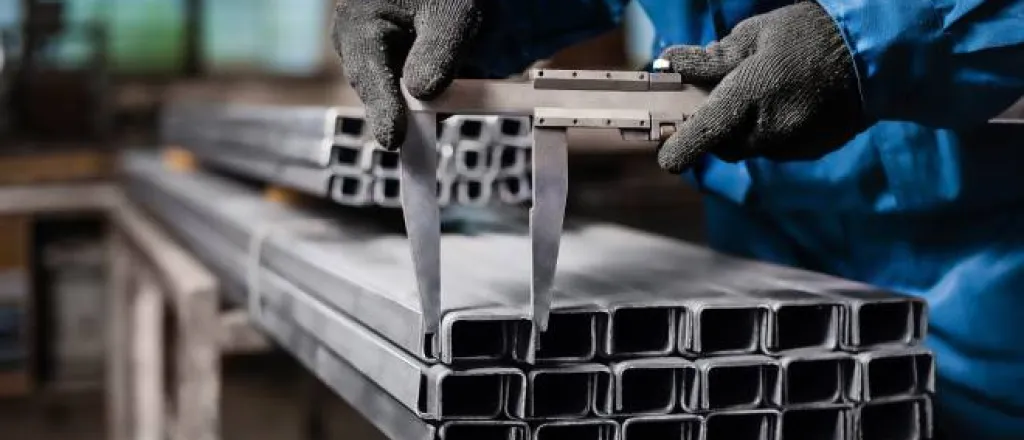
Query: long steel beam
<point x="327" y="152"/>
<point x="303" y="135"/>
<point x="337" y="266"/>
<point x="475" y="393"/>
<point x="388" y="414"/>
<point x="618" y="292"/>
<point x="314" y="181"/>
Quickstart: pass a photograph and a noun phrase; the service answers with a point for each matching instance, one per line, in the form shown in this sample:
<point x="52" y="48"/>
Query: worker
<point x="842" y="136"/>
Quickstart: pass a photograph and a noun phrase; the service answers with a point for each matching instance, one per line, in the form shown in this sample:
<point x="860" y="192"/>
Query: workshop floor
<point x="263" y="400"/>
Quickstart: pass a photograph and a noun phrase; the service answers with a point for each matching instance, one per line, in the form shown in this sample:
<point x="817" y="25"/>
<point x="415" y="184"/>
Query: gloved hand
<point x="785" y="89"/>
<point x="382" y="41"/>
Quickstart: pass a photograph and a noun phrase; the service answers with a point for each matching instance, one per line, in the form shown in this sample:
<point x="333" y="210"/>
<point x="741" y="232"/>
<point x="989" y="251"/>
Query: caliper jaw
<point x="422" y="213"/>
<point x="551" y="182"/>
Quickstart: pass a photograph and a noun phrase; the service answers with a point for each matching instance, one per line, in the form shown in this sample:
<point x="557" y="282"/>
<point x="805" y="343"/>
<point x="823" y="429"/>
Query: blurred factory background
<point x="83" y="79"/>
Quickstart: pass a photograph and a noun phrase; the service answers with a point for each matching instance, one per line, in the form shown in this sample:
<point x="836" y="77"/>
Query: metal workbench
<point x="151" y="276"/>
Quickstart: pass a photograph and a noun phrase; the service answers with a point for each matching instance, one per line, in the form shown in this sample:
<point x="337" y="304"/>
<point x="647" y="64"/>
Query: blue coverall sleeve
<point x="946" y="63"/>
<point x="518" y="32"/>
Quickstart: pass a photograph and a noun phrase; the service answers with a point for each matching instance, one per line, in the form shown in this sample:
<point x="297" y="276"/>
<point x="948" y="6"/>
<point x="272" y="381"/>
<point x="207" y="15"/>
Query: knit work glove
<point x="785" y="88"/>
<point x="381" y="41"/>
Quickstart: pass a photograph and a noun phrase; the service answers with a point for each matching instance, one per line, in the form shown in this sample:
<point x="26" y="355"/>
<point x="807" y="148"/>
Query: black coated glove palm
<point x="785" y="89"/>
<point x="381" y="41"/>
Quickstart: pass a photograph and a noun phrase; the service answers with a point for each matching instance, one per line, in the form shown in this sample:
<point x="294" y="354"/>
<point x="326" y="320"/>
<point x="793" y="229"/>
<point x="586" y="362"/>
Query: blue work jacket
<point x="929" y="202"/>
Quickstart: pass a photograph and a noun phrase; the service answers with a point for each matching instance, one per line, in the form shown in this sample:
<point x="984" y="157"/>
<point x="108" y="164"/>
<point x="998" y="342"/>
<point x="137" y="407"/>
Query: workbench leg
<point x="119" y="421"/>
<point x="148" y="359"/>
<point x="198" y="358"/>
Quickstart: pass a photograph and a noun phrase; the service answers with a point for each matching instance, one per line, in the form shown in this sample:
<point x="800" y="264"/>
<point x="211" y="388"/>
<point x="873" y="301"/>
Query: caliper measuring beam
<point x="645" y="108"/>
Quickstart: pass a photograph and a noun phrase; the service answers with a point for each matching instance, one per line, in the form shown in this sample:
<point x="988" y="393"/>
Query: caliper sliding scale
<point x="644" y="107"/>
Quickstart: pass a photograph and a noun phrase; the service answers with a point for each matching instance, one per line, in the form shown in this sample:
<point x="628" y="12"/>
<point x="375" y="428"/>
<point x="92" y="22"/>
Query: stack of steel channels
<point x="328" y="152"/>
<point x="649" y="338"/>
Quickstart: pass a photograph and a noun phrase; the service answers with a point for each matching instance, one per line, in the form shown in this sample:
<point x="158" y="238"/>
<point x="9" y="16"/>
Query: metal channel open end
<point x="349" y="130"/>
<point x="647" y="391"/>
<point x="473" y="192"/>
<point x="907" y="419"/>
<point x="827" y="423"/>
<point x="738" y="383"/>
<point x="681" y="427"/>
<point x="489" y="430"/>
<point x="577" y="430"/>
<point x="469" y="339"/>
<point x="387" y="163"/>
<point x="509" y="161"/>
<point x="895" y="373"/>
<point x="349" y="157"/>
<point x="473" y="128"/>
<point x="478" y="394"/>
<point x="514" y="189"/>
<point x="725" y="329"/>
<point x="742" y="425"/>
<point x="352" y="190"/>
<point x="387" y="192"/>
<point x="570" y="337"/>
<point x="652" y="386"/>
<point x="804" y="327"/>
<point x="816" y="379"/>
<point x="513" y="131"/>
<point x="422" y="213"/>
<point x="641" y="331"/>
<point x="550" y="193"/>
<point x="473" y="159"/>
<point x="881" y="323"/>
<point x="566" y="392"/>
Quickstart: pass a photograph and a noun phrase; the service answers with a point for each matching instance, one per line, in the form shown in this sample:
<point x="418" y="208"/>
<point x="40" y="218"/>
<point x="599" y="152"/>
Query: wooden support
<point x="192" y="293"/>
<point x="180" y="159"/>
<point x="147" y="358"/>
<point x="119" y="421"/>
<point x="198" y="358"/>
